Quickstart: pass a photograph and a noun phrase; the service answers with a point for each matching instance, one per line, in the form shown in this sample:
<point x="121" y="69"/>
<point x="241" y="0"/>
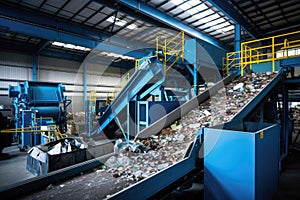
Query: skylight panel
<point x="210" y="18"/>
<point x="177" y="2"/>
<point x="192" y="11"/>
<point x="194" y="2"/>
<point x="201" y="7"/>
<point x="226" y="29"/>
<point x="215" y="22"/>
<point x="120" y="22"/>
<point x="204" y="14"/>
<point x="185" y="6"/>
<point x="221" y="25"/>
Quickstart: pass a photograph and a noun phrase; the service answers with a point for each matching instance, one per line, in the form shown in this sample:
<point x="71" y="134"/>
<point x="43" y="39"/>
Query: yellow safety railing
<point x="37" y="129"/>
<point x="111" y="96"/>
<point x="268" y="49"/>
<point x="232" y="60"/>
<point x="92" y="102"/>
<point x="172" y="50"/>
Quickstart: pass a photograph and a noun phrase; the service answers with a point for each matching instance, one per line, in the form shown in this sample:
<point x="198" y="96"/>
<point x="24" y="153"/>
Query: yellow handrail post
<point x="165" y="57"/>
<point x="182" y="43"/>
<point x="250" y="59"/>
<point x="242" y="59"/>
<point x="273" y="54"/>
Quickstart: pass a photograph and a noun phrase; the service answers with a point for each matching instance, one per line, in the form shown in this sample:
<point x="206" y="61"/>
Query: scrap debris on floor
<point x="143" y="158"/>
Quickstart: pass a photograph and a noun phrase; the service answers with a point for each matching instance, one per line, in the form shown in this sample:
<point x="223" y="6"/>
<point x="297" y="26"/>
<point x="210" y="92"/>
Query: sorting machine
<point x="39" y="112"/>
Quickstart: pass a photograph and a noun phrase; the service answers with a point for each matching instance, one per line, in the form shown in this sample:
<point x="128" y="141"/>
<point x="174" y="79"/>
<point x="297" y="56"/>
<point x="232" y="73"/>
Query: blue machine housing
<point x="38" y="104"/>
<point x="241" y="160"/>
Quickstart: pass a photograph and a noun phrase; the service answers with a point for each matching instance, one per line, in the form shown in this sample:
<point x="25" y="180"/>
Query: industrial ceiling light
<point x="70" y="46"/>
<point x="115" y="55"/>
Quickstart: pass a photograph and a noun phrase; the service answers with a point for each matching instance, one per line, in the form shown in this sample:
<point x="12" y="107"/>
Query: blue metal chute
<point x="149" y="76"/>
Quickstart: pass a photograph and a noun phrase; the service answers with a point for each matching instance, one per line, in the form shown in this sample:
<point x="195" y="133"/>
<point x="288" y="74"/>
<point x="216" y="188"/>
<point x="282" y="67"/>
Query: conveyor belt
<point x="147" y="73"/>
<point x="152" y="129"/>
<point x="259" y="98"/>
<point x="175" y="172"/>
<point x="176" y="114"/>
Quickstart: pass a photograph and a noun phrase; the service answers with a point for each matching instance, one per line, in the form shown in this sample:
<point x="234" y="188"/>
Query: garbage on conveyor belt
<point x="148" y="156"/>
<point x="135" y="146"/>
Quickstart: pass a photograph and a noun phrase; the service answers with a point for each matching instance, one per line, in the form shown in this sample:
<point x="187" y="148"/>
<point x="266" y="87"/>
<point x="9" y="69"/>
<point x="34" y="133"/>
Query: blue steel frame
<point x="32" y="24"/>
<point x="34" y="64"/>
<point x="235" y="16"/>
<point x="178" y="25"/>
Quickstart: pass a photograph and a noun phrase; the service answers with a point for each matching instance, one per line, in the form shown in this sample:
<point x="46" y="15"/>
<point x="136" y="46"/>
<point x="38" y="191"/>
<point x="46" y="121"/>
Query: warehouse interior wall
<point x="17" y="67"/>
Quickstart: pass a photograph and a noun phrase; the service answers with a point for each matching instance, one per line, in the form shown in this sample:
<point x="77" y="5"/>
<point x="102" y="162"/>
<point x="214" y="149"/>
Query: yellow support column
<point x="182" y="43"/>
<point x="242" y="60"/>
<point x="273" y="55"/>
<point x="165" y="58"/>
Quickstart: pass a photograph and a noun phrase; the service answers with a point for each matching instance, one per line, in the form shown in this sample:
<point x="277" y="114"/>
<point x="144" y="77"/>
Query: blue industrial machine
<point x="152" y="87"/>
<point x="36" y="106"/>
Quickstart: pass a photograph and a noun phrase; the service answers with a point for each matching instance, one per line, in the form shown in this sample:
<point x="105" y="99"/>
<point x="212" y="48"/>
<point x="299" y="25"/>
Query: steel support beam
<point x="34" y="64"/>
<point x="237" y="37"/>
<point x="237" y="41"/>
<point x="234" y="15"/>
<point x="85" y="95"/>
<point x="157" y="15"/>
<point x="51" y="29"/>
<point x="195" y="75"/>
<point x="285" y="121"/>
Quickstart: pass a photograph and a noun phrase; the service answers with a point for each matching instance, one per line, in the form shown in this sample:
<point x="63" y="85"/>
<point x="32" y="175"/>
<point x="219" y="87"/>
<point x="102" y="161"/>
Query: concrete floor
<point x="13" y="169"/>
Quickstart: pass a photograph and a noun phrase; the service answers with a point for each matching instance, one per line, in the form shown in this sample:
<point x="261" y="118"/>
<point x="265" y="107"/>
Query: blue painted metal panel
<point x="237" y="37"/>
<point x="141" y="114"/>
<point x="290" y="62"/>
<point x="139" y="79"/>
<point x="237" y="43"/>
<point x="265" y="67"/>
<point x="235" y="16"/>
<point x="164" y="18"/>
<point x="242" y="161"/>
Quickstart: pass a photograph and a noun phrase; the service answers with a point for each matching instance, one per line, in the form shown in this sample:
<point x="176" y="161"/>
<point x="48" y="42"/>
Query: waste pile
<point x="142" y="158"/>
<point x="74" y="120"/>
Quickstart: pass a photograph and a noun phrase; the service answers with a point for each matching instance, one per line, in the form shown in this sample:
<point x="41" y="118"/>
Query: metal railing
<point x="268" y="49"/>
<point x="111" y="96"/>
<point x="171" y="49"/>
<point x="57" y="135"/>
<point x="92" y="102"/>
